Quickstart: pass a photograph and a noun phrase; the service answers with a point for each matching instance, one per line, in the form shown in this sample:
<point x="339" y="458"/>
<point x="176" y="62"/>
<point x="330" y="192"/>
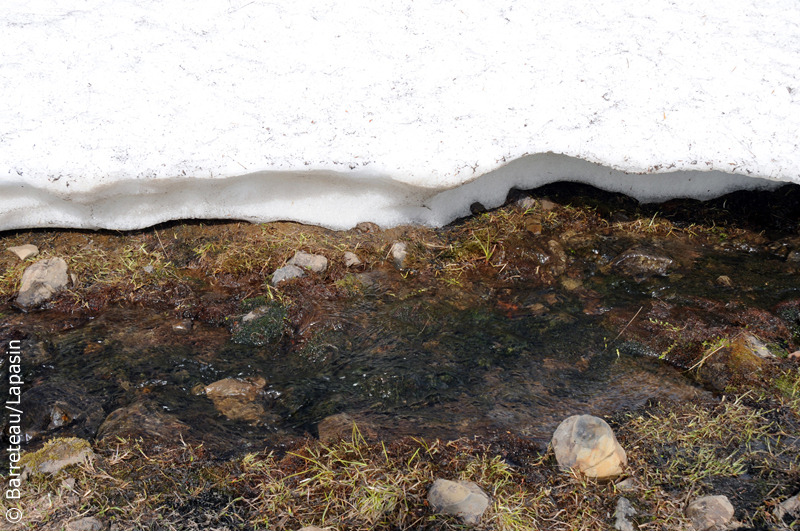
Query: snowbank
<point x="124" y="114"/>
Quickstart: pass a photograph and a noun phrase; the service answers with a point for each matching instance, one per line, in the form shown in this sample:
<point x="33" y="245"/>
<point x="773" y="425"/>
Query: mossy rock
<point x="57" y="454"/>
<point x="261" y="325"/>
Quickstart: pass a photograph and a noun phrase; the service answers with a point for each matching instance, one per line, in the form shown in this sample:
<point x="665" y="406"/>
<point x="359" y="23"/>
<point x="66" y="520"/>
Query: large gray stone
<point x="285" y="273"/>
<point x="588" y="444"/>
<point x="463" y="499"/>
<point x="42" y="280"/>
<point x="315" y="262"/>
<point x="710" y="512"/>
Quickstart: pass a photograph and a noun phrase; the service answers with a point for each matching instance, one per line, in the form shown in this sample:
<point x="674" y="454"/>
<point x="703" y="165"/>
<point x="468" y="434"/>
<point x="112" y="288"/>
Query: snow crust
<point x="127" y="113"/>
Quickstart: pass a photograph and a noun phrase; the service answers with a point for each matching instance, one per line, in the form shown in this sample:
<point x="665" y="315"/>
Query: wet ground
<point x="576" y="302"/>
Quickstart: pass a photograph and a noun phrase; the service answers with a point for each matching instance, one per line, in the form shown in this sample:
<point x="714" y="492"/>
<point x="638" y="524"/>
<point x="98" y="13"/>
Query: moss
<point x="262" y="325"/>
<point x="70" y="450"/>
<point x="351" y="285"/>
<point x="248" y="305"/>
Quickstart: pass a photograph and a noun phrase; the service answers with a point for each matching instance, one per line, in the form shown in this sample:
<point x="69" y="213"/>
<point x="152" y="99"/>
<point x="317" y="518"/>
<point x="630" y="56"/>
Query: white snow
<point x="127" y="113"/>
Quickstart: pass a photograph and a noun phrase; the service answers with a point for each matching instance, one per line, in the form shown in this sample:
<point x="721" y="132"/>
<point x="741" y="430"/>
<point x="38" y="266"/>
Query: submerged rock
<point x="67" y="408"/>
<point x="285" y="273"/>
<point x="260" y="326"/>
<point x="24" y="251"/>
<point x="236" y="399"/>
<point x="55" y="455"/>
<point x="340" y="426"/>
<point x="642" y="262"/>
<point x="710" y="512"/>
<point x="315" y="262"/>
<point x="41" y="281"/>
<point x="463" y="499"/>
<point x="142" y="420"/>
<point x="588" y="444"/>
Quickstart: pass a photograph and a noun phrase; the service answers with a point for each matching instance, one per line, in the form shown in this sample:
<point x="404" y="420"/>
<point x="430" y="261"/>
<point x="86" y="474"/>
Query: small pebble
<point x="184" y="325"/>
<point x="399" y="254"/>
<point x="24" y="251"/>
<point x="547" y="206"/>
<point x="725" y="280"/>
<point x="351" y="260"/>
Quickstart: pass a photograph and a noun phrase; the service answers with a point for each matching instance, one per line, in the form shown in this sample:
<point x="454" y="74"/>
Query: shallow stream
<point x="403" y="356"/>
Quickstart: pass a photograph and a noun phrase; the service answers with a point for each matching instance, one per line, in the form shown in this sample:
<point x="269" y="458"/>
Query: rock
<point x="142" y="420"/>
<point x="559" y="258"/>
<point x="55" y="455"/>
<point x="285" y="273"/>
<point x="24" y="251"/>
<point x="547" y="206"/>
<point x="733" y="363"/>
<point x="183" y="325"/>
<point x="586" y="443"/>
<point x="534" y="226"/>
<point x="148" y="269"/>
<point x="790" y="507"/>
<point x="628" y="484"/>
<point x="622" y="514"/>
<point x="235" y="398"/>
<point x="311" y="528"/>
<point x="365" y="227"/>
<point x="351" y="260"/>
<point x="463" y="499"/>
<point x="66" y="408"/>
<point x="340" y="426"/>
<point x="709" y="512"/>
<point x="315" y="262"/>
<point x="90" y="523"/>
<point x="757" y="346"/>
<point x="399" y="254"/>
<point x="526" y="203"/>
<point x="642" y="262"/>
<point x="41" y="281"/>
<point x="68" y="484"/>
<point x="233" y="387"/>
<point x="725" y="281"/>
